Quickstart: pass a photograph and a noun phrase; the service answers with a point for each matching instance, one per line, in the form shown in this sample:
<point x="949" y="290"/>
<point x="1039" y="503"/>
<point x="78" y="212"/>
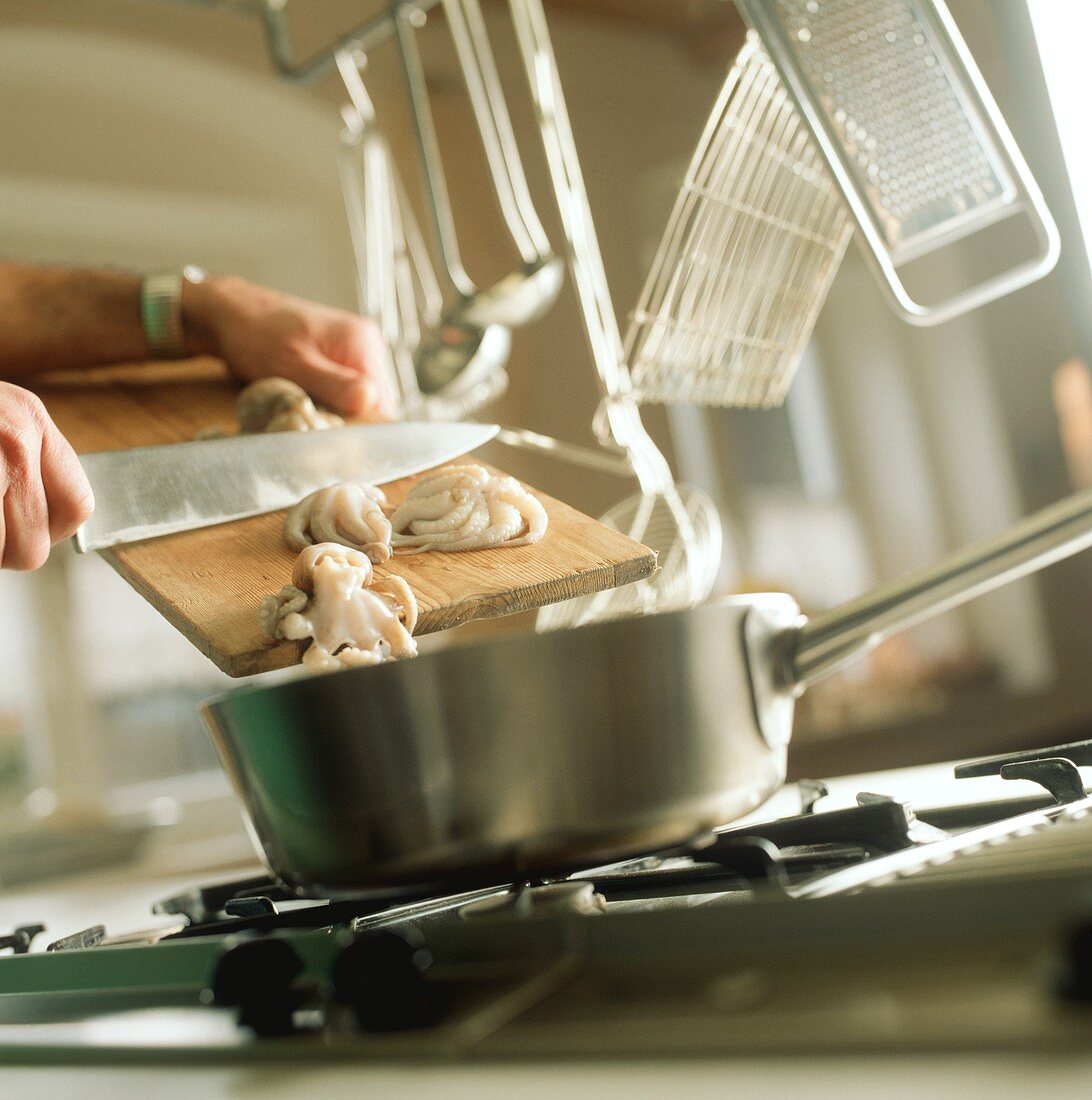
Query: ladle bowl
<point x="456" y="357"/>
<point x="521" y="297"/>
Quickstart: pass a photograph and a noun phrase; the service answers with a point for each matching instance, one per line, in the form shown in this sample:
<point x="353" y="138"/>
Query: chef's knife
<point x="148" y="491"/>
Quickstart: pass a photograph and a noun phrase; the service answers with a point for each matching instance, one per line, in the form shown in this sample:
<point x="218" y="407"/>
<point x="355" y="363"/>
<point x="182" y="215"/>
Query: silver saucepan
<point x="536" y="754"/>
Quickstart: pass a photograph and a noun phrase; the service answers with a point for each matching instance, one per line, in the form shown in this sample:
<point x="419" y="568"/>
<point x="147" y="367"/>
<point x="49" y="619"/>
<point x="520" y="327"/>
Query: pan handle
<point x="823" y="644"/>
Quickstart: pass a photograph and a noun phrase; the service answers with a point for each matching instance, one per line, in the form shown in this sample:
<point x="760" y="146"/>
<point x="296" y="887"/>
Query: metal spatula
<point x="679" y="522"/>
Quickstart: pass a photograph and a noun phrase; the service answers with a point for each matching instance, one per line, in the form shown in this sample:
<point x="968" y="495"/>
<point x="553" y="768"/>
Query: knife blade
<point x="149" y="491"/>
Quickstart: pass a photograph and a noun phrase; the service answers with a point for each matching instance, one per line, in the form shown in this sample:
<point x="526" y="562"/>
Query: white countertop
<point x="932" y="1076"/>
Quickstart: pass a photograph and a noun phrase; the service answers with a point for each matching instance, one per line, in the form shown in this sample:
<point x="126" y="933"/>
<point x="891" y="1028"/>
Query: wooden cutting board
<point x="208" y="583"/>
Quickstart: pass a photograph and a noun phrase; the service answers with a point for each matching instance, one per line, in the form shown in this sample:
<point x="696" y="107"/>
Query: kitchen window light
<point x="1062" y="30"/>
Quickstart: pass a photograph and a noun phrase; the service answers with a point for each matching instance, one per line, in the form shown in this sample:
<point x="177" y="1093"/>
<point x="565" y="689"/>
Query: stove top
<point x="869" y="925"/>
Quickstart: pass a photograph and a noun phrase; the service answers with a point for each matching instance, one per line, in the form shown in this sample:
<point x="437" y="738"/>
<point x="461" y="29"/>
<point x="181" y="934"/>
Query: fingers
<point x="345" y="389"/>
<point x="375" y="360"/>
<point x="44" y="495"/>
<point x="68" y="495"/>
<point x="26" y="513"/>
<point x="345" y="366"/>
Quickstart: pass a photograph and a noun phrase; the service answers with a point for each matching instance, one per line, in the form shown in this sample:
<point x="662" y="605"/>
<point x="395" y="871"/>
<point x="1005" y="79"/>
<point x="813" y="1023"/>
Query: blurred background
<point x="147" y="134"/>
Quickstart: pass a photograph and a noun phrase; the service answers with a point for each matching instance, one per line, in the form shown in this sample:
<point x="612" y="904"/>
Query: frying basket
<point x="748" y="255"/>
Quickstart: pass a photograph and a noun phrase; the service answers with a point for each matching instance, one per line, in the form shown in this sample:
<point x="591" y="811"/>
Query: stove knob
<point x="256" y="976"/>
<point x="381" y="975"/>
<point x="19" y="940"/>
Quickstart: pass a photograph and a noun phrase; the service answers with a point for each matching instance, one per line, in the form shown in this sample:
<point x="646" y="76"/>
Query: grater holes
<point x="920" y="158"/>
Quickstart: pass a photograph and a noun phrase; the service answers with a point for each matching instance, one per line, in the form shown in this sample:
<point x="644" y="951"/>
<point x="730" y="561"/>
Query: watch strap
<point x="161" y="310"/>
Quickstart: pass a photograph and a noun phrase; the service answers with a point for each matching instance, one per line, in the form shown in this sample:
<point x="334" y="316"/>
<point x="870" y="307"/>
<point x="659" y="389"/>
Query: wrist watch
<point x="161" y="310"/>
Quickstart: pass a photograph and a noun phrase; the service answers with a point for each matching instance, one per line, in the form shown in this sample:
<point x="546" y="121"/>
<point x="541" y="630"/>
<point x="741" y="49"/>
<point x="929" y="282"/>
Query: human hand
<point x="43" y="490"/>
<point x="337" y="357"/>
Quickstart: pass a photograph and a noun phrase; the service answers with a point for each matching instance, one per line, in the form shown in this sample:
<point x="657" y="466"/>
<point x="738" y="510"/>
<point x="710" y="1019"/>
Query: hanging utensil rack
<point x="276" y="22"/>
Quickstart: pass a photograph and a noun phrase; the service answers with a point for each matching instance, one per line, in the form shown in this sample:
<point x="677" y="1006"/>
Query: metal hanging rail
<point x="365" y="36"/>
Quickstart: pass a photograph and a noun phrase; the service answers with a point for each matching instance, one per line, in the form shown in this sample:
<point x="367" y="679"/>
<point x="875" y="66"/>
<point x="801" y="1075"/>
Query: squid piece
<point x="346" y="513"/>
<point x="466" y="508"/>
<point x="351" y="618"/>
<point x="277" y="405"/>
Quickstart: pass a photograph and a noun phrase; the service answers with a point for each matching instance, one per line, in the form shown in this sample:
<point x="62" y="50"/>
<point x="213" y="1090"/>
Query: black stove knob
<point x="257" y="977"/>
<point x="382" y="976"/>
<point x="18" y="941"/>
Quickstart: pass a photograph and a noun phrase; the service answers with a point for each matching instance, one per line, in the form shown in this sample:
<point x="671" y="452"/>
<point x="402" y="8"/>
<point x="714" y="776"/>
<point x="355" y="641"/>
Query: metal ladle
<point x="466" y="341"/>
<point x="459" y="352"/>
<point x="527" y="293"/>
<point x="393" y="262"/>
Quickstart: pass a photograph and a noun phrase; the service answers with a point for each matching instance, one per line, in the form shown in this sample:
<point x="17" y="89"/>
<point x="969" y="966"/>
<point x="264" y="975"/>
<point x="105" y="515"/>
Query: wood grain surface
<point x="208" y="583"/>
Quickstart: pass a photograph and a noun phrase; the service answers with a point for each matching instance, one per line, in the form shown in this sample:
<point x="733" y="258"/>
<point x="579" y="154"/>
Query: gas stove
<point x="869" y="926"/>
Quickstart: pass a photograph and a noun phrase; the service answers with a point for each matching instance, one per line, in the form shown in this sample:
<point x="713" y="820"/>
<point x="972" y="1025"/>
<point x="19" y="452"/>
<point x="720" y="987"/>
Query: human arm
<point x="53" y="318"/>
<point x="64" y="318"/>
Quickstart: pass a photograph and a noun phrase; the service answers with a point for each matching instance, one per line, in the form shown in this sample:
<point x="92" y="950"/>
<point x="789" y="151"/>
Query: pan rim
<point x="488" y="645"/>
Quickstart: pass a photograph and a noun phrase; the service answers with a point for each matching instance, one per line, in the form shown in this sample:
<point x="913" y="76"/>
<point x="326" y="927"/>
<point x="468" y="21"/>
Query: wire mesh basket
<point x="749" y="253"/>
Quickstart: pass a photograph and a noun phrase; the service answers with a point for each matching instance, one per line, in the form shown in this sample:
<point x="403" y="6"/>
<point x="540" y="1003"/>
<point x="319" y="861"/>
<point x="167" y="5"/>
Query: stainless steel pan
<point x="492" y="761"/>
